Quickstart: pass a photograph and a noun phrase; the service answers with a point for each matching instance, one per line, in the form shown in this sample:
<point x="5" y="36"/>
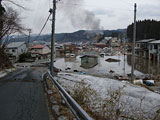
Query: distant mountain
<point x="78" y="36"/>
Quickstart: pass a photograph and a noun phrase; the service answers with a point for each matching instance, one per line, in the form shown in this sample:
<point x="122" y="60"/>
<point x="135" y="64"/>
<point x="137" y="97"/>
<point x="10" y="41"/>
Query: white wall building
<point x="15" y="49"/>
<point x="154" y="50"/>
<point x="40" y="52"/>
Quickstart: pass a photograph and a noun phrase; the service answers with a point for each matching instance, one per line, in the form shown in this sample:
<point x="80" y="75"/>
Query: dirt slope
<point x="4" y="61"/>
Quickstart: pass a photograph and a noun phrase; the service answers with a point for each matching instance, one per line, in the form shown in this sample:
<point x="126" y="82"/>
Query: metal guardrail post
<point x="76" y="109"/>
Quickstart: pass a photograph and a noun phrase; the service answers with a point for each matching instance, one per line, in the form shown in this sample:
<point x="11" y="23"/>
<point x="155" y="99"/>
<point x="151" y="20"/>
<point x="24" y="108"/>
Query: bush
<point x="4" y="60"/>
<point x="83" y="93"/>
<point x="24" y="56"/>
<point x="112" y="107"/>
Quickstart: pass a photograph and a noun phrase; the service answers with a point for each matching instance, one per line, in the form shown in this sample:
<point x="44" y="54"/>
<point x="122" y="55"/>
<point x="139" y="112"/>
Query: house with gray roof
<point x="14" y="49"/>
<point x="142" y="48"/>
<point x="154" y="50"/>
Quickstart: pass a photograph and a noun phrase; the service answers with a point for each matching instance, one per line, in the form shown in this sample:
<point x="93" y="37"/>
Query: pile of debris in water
<point x="145" y="79"/>
<point x="150" y="82"/>
<point x="112" y="60"/>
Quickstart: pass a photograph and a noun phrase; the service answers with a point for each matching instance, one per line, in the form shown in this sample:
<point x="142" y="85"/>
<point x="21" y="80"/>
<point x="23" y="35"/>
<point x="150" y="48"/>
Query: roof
<point x="145" y="41"/>
<point x="15" y="44"/>
<point x="155" y="42"/>
<point x="93" y="56"/>
<point x="38" y="46"/>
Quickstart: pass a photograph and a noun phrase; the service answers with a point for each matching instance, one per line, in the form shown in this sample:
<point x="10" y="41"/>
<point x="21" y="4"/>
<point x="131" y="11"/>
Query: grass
<point x="113" y="107"/>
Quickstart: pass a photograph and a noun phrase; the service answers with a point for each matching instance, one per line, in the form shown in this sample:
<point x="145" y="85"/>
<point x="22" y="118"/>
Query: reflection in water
<point x="102" y="68"/>
<point x="145" y="66"/>
<point x="124" y="67"/>
<point x="88" y="62"/>
<point x="88" y="65"/>
<point x="70" y="59"/>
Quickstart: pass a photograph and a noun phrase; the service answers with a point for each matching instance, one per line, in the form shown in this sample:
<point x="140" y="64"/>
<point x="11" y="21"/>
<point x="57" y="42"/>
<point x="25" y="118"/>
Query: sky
<point x="73" y="15"/>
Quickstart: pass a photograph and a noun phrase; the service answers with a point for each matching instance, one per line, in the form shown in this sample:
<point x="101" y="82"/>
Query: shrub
<point x="24" y="56"/>
<point x="112" y="107"/>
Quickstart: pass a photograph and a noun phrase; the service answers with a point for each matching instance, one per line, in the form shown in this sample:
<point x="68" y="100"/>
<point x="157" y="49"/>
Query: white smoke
<point x="78" y="16"/>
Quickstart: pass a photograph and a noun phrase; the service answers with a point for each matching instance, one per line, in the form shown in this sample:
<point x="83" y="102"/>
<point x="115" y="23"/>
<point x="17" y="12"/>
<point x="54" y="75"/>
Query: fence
<point x="76" y="109"/>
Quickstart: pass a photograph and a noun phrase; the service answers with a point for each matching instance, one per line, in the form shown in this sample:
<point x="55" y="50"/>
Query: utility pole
<point x="133" y="46"/>
<point x="124" y="44"/>
<point x="29" y="30"/>
<point x="52" y="37"/>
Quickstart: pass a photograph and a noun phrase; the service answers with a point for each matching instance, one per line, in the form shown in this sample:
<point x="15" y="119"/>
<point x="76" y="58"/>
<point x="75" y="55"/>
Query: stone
<point x="62" y="118"/>
<point x="49" y="92"/>
<point x="55" y="108"/>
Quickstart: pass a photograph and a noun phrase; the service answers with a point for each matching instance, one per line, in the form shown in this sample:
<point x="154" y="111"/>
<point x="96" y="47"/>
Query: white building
<point x="115" y="42"/>
<point x="15" y="49"/>
<point x="154" y="50"/>
<point x="142" y="48"/>
<point x="40" y="52"/>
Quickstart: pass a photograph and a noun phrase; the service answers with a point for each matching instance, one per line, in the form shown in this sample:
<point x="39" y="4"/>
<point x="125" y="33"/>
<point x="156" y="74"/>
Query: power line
<point x="42" y="28"/>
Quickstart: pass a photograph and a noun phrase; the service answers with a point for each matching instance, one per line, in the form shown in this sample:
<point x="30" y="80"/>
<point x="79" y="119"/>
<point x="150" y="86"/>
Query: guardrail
<point x="76" y="109"/>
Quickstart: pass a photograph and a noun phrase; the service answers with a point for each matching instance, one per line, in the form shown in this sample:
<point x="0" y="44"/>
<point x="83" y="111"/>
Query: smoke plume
<point x="79" y="17"/>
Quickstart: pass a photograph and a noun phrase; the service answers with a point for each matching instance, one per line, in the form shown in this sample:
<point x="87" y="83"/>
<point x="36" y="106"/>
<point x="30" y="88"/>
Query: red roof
<point x="38" y="46"/>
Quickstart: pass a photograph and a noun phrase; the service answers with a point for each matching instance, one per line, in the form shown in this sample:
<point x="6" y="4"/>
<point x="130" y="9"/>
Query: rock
<point x="49" y="92"/>
<point x="55" y="108"/>
<point x="62" y="118"/>
<point x="63" y="102"/>
<point x="68" y="68"/>
<point x="75" y="71"/>
<point x="111" y="71"/>
<point x="54" y="102"/>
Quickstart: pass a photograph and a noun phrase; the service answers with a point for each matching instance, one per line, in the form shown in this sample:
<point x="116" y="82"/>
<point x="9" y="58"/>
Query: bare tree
<point x="10" y="21"/>
<point x="14" y="3"/>
<point x="11" y="24"/>
<point x="2" y="10"/>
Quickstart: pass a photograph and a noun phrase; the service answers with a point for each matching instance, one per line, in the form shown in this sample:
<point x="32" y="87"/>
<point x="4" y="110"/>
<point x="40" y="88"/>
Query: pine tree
<point x="146" y="29"/>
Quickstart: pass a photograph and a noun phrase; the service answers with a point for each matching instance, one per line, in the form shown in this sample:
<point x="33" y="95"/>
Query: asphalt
<point x="22" y="95"/>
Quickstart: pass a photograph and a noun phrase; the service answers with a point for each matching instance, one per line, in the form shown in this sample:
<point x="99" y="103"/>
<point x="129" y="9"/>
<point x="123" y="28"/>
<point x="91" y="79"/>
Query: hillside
<point x="78" y="36"/>
<point x="4" y="61"/>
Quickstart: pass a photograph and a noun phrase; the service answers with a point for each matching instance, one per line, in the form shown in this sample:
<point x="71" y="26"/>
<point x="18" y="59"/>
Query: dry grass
<point x="112" y="107"/>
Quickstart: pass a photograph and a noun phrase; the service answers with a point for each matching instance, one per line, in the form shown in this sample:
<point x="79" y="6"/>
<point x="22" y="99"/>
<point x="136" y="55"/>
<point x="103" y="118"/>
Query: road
<point x="22" y="95"/>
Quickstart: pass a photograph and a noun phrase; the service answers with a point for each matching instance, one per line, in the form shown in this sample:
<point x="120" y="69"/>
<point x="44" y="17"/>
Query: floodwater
<point x="142" y="66"/>
<point x="123" y="67"/>
<point x="145" y="66"/>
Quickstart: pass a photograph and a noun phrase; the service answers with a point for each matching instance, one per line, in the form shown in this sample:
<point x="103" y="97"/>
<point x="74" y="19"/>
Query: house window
<point x="150" y="47"/>
<point x="137" y="45"/>
<point x="155" y="46"/>
<point x="13" y="50"/>
<point x="67" y="47"/>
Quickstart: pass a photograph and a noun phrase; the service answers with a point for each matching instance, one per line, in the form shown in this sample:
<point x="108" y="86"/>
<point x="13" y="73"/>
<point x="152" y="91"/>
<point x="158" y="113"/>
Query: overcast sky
<point x="70" y="14"/>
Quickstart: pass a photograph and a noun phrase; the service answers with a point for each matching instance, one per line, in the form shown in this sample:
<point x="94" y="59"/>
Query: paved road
<point x="22" y="96"/>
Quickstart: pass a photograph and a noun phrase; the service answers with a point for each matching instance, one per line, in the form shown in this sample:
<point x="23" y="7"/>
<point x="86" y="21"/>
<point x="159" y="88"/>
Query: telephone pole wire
<point x="52" y="37"/>
<point x="133" y="46"/>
